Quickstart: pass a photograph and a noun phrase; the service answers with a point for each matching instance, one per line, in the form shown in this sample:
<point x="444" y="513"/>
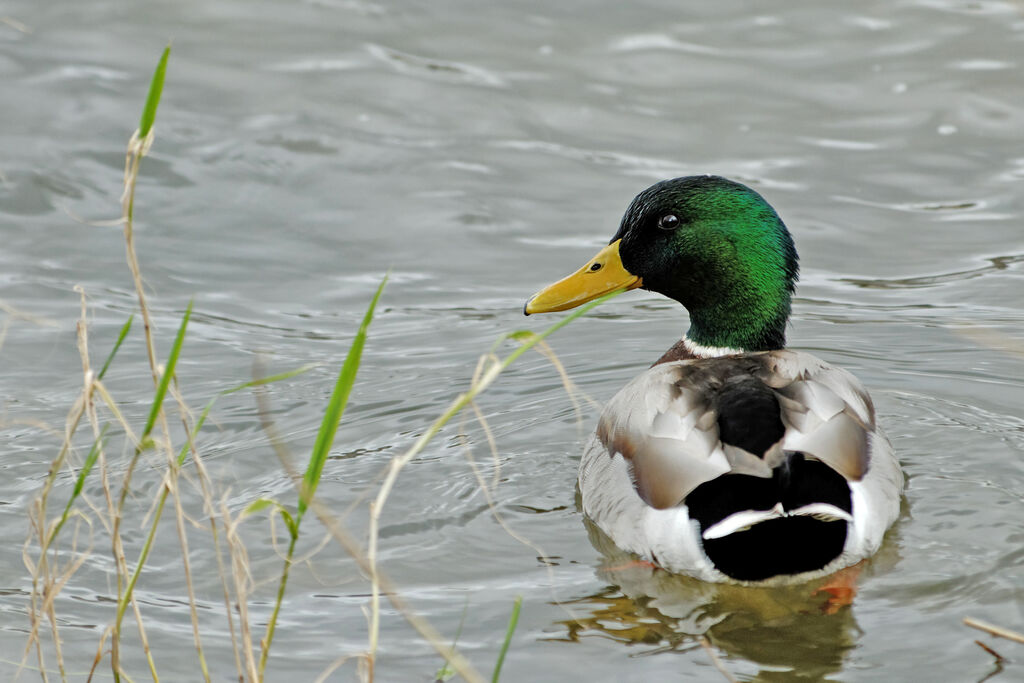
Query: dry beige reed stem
<point x="997" y="631"/>
<point x="715" y="661"/>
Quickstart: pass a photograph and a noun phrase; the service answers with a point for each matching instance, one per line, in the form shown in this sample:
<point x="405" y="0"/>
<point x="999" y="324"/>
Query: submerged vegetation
<point x="54" y="551"/>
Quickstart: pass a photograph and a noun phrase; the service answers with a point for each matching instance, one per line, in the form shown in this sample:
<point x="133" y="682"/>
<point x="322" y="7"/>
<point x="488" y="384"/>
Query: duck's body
<point x="671" y="475"/>
<point x="732" y="458"/>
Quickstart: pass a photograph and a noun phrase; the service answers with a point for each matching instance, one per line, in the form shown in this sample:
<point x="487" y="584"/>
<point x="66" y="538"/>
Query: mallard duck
<point x="732" y="459"/>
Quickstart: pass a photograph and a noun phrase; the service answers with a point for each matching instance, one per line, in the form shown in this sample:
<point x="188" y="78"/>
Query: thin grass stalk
<point x="125" y="596"/>
<point x="334" y="666"/>
<point x="136" y="149"/>
<point x="395" y="466"/>
<point x="56" y="584"/>
<point x="189" y="584"/>
<point x="108" y="400"/>
<point x="208" y="505"/>
<point x="144" y="134"/>
<point x="138" y="146"/>
<point x="281" y="586"/>
<point x="99" y="654"/>
<point x="171" y="485"/>
<point x="243" y="582"/>
<point x="321" y="449"/>
<point x="512" y="622"/>
<point x="992" y="629"/>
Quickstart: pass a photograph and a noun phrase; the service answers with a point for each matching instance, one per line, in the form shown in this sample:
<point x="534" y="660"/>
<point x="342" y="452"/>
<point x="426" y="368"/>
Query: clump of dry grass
<point x="60" y="543"/>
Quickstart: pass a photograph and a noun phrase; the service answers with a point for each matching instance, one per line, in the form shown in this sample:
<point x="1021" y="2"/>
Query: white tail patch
<point x="743" y="521"/>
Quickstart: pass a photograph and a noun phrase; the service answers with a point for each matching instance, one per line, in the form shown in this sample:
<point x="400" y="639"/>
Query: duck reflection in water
<point x="800" y="632"/>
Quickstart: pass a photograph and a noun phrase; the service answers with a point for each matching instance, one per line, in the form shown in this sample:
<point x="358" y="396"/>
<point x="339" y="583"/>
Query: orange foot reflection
<point x="632" y="564"/>
<point x="841" y="588"/>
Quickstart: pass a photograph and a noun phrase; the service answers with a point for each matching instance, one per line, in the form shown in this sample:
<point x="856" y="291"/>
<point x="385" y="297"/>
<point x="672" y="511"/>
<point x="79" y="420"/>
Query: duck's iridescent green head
<point x="714" y="245"/>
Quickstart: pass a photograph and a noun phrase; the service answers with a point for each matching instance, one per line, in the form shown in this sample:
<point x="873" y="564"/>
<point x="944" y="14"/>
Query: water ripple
<point x="996" y="264"/>
<point x="405" y="62"/>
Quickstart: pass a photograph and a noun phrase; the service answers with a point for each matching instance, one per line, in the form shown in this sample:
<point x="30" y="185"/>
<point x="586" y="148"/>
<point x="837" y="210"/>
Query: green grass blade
<point x="156" y="88"/>
<point x="117" y="345"/>
<point x="165" y="379"/>
<point x="335" y="409"/>
<point x="270" y="379"/>
<point x="291" y="524"/>
<point x="261" y="504"/>
<point x="529" y="339"/>
<point x="513" y="620"/>
<point x="90" y="460"/>
<point x="183" y="453"/>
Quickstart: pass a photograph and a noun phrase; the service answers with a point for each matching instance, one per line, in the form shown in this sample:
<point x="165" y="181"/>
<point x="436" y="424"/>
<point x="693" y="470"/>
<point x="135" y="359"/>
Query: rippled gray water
<point x="305" y="148"/>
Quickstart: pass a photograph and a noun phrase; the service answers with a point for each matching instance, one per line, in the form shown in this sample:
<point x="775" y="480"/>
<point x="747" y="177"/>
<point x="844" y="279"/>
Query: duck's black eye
<point x="669" y="221"/>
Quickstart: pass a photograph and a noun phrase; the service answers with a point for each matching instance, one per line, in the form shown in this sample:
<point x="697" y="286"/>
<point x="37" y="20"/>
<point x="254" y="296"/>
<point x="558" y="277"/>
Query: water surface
<point x="304" y="149"/>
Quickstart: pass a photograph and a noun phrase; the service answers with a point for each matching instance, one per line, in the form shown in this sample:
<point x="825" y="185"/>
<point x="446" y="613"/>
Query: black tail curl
<point x="781" y="546"/>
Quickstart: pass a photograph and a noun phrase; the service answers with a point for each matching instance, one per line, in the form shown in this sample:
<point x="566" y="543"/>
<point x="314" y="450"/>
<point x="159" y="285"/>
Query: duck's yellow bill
<point x="602" y="274"/>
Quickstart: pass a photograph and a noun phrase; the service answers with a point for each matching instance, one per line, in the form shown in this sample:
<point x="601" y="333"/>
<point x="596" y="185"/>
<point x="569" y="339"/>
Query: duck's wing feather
<point x="666" y="431"/>
<point x="676" y="424"/>
<point x="827" y="412"/>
